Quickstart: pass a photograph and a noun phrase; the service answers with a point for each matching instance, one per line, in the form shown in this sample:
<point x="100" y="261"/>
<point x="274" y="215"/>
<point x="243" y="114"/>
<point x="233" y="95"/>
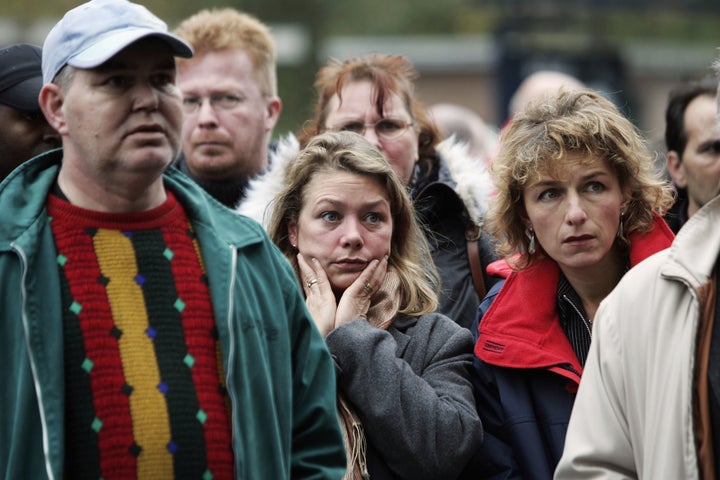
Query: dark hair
<point x="678" y="100"/>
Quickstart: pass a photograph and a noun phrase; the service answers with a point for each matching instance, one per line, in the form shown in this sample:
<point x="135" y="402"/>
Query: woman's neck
<point x="593" y="284"/>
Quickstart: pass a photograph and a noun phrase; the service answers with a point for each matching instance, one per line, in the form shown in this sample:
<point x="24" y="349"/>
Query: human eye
<point x="330" y="217"/>
<point x="715" y="147"/>
<point x="548" y="194"/>
<point x="595" y="187"/>
<point x="191" y="103"/>
<point x="355" y="127"/>
<point x="226" y="101"/>
<point x="117" y="81"/>
<point x="162" y="80"/>
<point x="374" y="217"/>
<point x="388" y="126"/>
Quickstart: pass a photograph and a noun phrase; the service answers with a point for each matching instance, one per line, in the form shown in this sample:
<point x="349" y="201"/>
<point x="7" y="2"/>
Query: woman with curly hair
<point x="578" y="204"/>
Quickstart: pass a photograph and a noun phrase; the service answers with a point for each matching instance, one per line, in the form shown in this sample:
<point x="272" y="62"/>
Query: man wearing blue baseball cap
<point x="147" y="332"/>
<point x="24" y="132"/>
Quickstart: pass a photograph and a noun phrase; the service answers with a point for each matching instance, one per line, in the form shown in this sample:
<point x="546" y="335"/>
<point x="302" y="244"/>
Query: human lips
<point x="351" y="263"/>
<point x="577" y="239"/>
<point x="151" y="129"/>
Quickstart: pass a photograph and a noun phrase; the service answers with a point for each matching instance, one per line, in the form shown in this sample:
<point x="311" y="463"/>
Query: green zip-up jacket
<point x="278" y="370"/>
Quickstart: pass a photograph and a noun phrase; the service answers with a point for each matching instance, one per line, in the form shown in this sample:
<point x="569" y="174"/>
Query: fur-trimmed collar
<point x="467" y="176"/>
<point x="262" y="190"/>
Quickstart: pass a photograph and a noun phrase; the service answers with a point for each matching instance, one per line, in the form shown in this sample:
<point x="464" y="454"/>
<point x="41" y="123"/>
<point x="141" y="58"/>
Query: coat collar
<point x="521" y="329"/>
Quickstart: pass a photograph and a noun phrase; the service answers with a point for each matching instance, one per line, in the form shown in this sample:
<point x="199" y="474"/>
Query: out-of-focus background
<point x="471" y="52"/>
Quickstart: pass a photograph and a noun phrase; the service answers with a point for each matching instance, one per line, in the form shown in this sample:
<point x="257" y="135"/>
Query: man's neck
<point x="113" y="197"/>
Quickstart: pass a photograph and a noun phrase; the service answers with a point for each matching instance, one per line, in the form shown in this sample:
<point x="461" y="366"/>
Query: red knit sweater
<point x="143" y="379"/>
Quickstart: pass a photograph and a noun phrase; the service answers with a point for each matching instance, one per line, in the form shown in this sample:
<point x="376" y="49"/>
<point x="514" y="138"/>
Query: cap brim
<point x="105" y="49"/>
<point x="24" y="95"/>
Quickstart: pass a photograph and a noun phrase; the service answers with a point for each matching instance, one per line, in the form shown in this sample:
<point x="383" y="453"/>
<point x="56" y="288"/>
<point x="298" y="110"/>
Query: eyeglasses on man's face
<point x="386" y="128"/>
<point x="218" y="101"/>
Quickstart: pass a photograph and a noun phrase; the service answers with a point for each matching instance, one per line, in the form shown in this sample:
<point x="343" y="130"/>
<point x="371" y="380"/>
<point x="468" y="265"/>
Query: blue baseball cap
<point x="92" y="33"/>
<point x="20" y="76"/>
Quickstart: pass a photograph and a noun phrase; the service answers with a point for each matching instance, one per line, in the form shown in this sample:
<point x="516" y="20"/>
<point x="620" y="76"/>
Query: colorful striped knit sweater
<point x="143" y="375"/>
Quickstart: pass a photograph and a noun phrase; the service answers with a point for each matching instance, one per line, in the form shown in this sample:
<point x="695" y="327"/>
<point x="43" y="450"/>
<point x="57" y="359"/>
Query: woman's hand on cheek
<point x="319" y="296"/>
<point x="355" y="301"/>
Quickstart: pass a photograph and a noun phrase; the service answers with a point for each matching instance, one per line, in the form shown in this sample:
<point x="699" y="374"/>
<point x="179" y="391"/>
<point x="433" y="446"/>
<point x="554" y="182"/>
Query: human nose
<point x="207" y="116"/>
<point x="371" y="135"/>
<point x="146" y="96"/>
<point x="576" y="213"/>
<point x="351" y="235"/>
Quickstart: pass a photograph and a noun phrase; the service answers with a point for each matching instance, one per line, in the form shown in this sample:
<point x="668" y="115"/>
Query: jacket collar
<point x="25" y="190"/>
<point x="521" y="329"/>
<point x="694" y="252"/>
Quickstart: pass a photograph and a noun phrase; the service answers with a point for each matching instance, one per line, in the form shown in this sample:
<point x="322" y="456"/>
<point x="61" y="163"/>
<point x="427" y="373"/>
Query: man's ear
<point x="675" y="169"/>
<point x="51" y="100"/>
<point x="273" y="108"/>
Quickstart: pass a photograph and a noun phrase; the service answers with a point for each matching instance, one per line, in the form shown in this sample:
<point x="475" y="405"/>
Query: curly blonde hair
<point x="352" y="153"/>
<point x="537" y="141"/>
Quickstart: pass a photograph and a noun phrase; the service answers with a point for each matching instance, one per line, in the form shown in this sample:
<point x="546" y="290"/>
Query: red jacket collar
<point x="521" y="329"/>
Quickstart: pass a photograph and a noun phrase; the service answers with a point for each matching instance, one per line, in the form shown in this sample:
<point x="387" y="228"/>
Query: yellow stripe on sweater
<point x="151" y="426"/>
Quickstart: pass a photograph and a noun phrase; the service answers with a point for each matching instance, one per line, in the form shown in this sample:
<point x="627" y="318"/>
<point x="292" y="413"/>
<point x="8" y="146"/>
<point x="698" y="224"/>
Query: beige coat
<point x="634" y="416"/>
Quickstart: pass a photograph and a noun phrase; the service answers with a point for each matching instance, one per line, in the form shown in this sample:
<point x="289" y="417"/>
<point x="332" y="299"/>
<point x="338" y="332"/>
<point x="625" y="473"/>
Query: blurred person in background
<point x="467" y="127"/>
<point x="346" y="222"/>
<point x="538" y="85"/>
<point x="374" y="96"/>
<point x="24" y="131"/>
<point x="230" y="100"/>
<point x="578" y="204"/>
<point x="692" y="138"/>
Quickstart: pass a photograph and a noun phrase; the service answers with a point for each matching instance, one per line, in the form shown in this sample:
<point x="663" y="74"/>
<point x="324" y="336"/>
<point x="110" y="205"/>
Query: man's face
<point x="225" y="140"/>
<point x="121" y="121"/>
<point x="22" y="136"/>
<point x="699" y="169"/>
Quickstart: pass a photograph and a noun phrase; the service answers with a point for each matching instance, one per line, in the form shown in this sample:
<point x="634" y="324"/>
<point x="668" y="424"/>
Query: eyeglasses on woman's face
<point x="385" y="128"/>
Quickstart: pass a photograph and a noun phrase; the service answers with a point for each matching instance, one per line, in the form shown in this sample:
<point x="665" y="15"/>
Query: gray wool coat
<point x="410" y="386"/>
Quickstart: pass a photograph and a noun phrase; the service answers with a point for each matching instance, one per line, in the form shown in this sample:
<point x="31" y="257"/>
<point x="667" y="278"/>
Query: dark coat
<point x="445" y="218"/>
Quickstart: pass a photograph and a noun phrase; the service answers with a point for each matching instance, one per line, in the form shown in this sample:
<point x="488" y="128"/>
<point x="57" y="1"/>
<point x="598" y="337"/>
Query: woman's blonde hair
<point x="539" y="138"/>
<point x="351" y="153"/>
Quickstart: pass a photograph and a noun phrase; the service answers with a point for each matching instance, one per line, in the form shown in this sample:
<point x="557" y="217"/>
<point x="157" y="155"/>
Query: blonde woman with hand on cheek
<point x="346" y="222"/>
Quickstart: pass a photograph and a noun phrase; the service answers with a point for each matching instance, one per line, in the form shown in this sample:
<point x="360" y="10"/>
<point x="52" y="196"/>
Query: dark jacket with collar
<point x="526" y="373"/>
<point x="445" y="210"/>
